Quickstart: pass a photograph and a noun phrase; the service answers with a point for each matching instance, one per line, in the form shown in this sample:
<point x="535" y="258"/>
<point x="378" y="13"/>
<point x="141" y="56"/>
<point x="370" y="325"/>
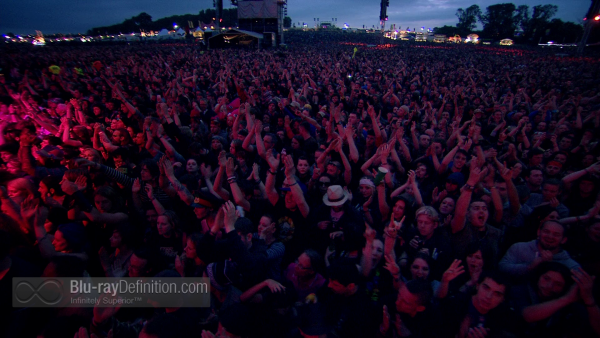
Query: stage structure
<point x="264" y="17"/>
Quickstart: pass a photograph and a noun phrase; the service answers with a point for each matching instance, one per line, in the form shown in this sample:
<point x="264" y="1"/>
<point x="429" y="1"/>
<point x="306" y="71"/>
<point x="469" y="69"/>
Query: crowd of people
<point x="396" y="191"/>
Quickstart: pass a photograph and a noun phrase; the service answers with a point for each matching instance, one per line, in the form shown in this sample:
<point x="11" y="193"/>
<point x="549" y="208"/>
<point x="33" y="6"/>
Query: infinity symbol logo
<point x="49" y="292"/>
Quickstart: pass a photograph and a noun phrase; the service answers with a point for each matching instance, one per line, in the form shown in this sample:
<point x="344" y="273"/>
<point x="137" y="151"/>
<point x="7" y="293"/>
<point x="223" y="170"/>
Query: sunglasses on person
<point x="324" y="184"/>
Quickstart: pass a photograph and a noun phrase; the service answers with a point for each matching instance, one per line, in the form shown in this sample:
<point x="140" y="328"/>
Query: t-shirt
<point x="318" y="282"/>
<point x="293" y="229"/>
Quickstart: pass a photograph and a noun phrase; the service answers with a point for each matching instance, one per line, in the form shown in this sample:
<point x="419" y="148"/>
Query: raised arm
<point x="594" y="168"/>
<point x="447" y="159"/>
<point x="292" y="182"/>
<point x="366" y="263"/>
<point x="238" y="195"/>
<point x="413" y="135"/>
<point x="90" y="211"/>
<point x="273" y="162"/>
<point x="182" y="191"/>
<point x="347" y="167"/>
<point x="375" y="124"/>
<point x="247" y="144"/>
<point x="513" y="195"/>
<point x="403" y="146"/>
<point x="462" y="205"/>
<point x="349" y="137"/>
<point x="260" y="146"/>
<point x="415" y="188"/>
<point x="218" y="184"/>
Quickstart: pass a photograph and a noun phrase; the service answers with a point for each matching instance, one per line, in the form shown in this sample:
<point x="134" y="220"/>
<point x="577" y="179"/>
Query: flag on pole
<point x="355" y="50"/>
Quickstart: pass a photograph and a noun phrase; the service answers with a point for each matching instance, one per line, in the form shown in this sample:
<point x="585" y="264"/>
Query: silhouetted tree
<point x="467" y="19"/>
<point x="446" y="30"/>
<point x="534" y="25"/>
<point x="499" y="21"/>
<point x="287" y="22"/>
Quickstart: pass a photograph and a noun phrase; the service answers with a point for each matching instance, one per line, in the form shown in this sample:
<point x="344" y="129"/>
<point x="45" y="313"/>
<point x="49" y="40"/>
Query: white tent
<point x="163" y="34"/>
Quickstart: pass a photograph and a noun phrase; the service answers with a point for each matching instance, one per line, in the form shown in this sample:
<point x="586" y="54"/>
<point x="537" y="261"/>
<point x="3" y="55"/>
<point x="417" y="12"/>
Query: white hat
<point x="335" y="196"/>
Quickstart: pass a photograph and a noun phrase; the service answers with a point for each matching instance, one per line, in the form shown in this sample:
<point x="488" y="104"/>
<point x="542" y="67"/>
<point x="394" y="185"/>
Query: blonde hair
<point x="428" y="211"/>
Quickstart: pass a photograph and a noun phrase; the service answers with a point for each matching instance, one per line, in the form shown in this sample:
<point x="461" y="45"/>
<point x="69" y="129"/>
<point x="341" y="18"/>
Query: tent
<point x="236" y="38"/>
<point x="163" y="34"/>
<point x="472" y="38"/>
<point x="197" y="33"/>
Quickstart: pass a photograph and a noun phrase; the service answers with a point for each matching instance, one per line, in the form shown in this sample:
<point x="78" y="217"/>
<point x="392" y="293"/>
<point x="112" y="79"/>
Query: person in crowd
<point x="525" y="256"/>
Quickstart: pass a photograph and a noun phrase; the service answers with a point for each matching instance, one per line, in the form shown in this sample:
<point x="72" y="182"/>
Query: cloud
<point x="71" y="16"/>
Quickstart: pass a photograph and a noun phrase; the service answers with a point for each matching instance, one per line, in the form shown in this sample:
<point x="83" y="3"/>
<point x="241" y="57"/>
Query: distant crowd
<point x="391" y="191"/>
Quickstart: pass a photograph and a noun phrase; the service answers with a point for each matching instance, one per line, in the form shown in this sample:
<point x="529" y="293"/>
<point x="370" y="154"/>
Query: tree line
<point x="522" y="23"/>
<point x="143" y="22"/>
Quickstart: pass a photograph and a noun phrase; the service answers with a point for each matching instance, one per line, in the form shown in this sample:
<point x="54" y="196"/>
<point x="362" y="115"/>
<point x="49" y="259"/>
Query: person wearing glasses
<point x="304" y="276"/>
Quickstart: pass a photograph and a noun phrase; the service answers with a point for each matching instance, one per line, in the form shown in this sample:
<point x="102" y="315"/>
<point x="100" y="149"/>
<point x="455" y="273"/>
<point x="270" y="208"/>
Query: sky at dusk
<point x="71" y="16"/>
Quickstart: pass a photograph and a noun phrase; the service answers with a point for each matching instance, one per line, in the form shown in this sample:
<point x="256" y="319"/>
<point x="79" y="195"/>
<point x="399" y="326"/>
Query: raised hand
<point x="385" y="323"/>
<point x="273" y="161"/>
<point x="474" y="176"/>
<point x="258" y="127"/>
<point x="81" y="182"/>
<point x="506" y="173"/>
<point x="395" y="225"/>
<point x="168" y="167"/>
<point x="369" y="234"/>
<point x="316" y="173"/>
<point x="455" y="270"/>
<point x="255" y="175"/>
<point x="68" y="187"/>
<point x="348" y="132"/>
<point x="411" y="176"/>
<point x="229" y="215"/>
<point x="467" y="145"/>
<point x="230" y="167"/>
<point x="222" y="157"/>
<point x="585" y="282"/>
<point x="290" y="169"/>
<point x="180" y="264"/>
<point x="149" y="191"/>
<point x="206" y="170"/>
<point x="391" y="265"/>
<point x="435" y="195"/>
<point x="274" y="286"/>
<point x="338" y="145"/>
<point x="161" y="167"/>
<point x="29" y="206"/>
